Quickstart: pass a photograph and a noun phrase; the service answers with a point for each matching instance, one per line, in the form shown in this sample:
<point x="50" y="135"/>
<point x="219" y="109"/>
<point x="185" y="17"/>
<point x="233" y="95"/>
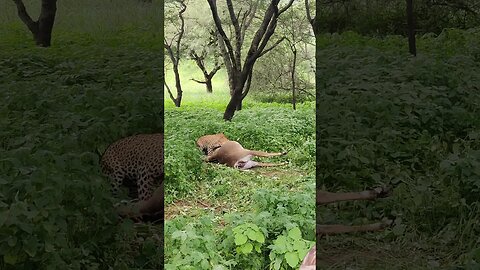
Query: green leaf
<point x="303" y="252"/>
<point x="179" y="234"/>
<point x="10" y="258"/>
<point x="251" y="234"/>
<point x="295" y="233"/>
<point x="247" y="248"/>
<point x="299" y="245"/>
<point x="278" y="263"/>
<point x="256" y="236"/>
<point x="257" y="247"/>
<point x="281" y="243"/>
<point x="240" y="239"/>
<point x="30" y="246"/>
<point x="260" y="237"/>
<point x="204" y="264"/>
<point x="292" y="258"/>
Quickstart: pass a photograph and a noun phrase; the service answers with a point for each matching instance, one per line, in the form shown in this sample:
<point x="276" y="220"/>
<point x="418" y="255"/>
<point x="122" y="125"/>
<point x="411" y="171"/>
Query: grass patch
<point x="59" y="105"/>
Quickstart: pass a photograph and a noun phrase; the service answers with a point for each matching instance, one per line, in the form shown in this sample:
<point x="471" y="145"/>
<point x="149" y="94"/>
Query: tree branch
<point x="269" y="32"/>
<point x="272" y="47"/>
<point x="238" y="32"/>
<point x="311" y="19"/>
<point x="182" y="26"/>
<point x="195" y="80"/>
<point x="170" y="52"/>
<point x="25" y="17"/>
<point x="247" y="86"/>
<point x="306" y="92"/>
<point x="249" y="15"/>
<point x="254" y="50"/>
<point x="169" y="92"/>
<point x="221" y="32"/>
<point x="285" y="7"/>
<point x="214" y="71"/>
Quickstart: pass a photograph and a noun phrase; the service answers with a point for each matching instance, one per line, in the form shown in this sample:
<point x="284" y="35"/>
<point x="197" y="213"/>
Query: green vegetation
<point x="387" y="17"/>
<point x="210" y="208"/>
<point x="386" y="117"/>
<point x="100" y="81"/>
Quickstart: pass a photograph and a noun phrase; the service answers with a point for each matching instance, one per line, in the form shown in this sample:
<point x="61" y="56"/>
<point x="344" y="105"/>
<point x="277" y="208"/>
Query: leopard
<point x="209" y="143"/>
<point x="136" y="162"/>
<point x="218" y="148"/>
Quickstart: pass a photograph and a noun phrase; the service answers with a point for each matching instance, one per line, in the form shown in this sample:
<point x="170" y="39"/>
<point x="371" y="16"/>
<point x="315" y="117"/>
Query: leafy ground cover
<point x="386" y="117"/>
<point x="59" y="106"/>
<point x="223" y="218"/>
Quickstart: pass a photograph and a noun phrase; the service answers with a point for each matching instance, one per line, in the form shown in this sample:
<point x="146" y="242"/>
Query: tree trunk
<point x="178" y="85"/>
<point x="45" y="23"/>
<point x="294" y="63"/>
<point x="411" y="28"/>
<point x="246" y="89"/>
<point x="235" y="101"/>
<point x="208" y="84"/>
<point x="175" y="56"/>
<point x="200" y="61"/>
<point x="42" y="28"/>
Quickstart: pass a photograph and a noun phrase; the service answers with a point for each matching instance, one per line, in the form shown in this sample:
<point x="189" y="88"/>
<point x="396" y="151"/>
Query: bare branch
<point x="238" y="32"/>
<point x="182" y="26"/>
<point x="285" y="7"/>
<point x="254" y="50"/>
<point x="221" y="32"/>
<point x="249" y="17"/>
<point x="247" y="85"/>
<point x="170" y="52"/>
<point x="268" y="33"/>
<point x="306" y="92"/>
<point x="272" y="47"/>
<point x="195" y="80"/>
<point x="25" y="17"/>
<point x="215" y="70"/>
<point x="169" y="91"/>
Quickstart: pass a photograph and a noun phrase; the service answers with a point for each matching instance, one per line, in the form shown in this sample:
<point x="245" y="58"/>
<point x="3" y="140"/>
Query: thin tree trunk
<point x="42" y="28"/>
<point x="207" y="82"/>
<point x="226" y="61"/>
<point x="175" y="56"/>
<point x="178" y="85"/>
<point x="411" y="28"/>
<point x="200" y="61"/>
<point x="294" y="63"/>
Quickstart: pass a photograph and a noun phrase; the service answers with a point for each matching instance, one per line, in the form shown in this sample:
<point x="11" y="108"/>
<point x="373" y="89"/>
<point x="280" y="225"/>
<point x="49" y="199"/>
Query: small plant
<point x="248" y="237"/>
<point x="289" y="249"/>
